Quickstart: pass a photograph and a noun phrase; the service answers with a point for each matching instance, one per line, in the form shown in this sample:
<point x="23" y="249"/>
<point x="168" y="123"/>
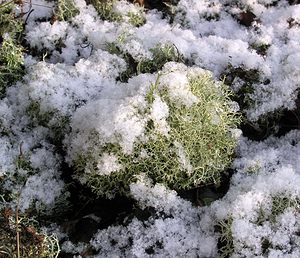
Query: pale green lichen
<point x="223" y="228"/>
<point x="280" y="203"/>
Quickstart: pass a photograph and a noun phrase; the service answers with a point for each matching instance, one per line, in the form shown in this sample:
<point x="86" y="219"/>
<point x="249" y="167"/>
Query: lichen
<point x="193" y="150"/>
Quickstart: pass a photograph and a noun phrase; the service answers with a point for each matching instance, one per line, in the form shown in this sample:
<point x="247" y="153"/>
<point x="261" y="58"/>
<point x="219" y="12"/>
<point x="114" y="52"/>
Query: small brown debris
<point x="246" y="18"/>
<point x="39" y="239"/>
<point x="54" y="18"/>
<point x="139" y="2"/>
<point x="31" y="230"/>
<point x="6" y="213"/>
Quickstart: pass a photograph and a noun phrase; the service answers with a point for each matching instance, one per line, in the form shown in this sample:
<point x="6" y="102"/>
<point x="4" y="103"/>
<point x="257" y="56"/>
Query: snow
<point x="75" y="79"/>
<point x="211" y="45"/>
<point x="108" y="164"/>
<point x="179" y="234"/>
<point x="158" y="113"/>
<point x="276" y="173"/>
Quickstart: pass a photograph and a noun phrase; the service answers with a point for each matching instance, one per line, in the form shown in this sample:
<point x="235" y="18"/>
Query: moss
<point x="248" y="77"/>
<point x="23" y="170"/>
<point x="59" y="129"/>
<point x="206" y="144"/>
<point x="9" y="23"/>
<point x="107" y="12"/>
<point x="33" y="243"/>
<point x="260" y="48"/>
<point x="105" y="9"/>
<point x="136" y="19"/>
<point x="65" y="10"/>
<point x="113" y="48"/>
<point x="279" y="203"/>
<point x="11" y="58"/>
<point x="11" y="63"/>
<point x="37" y="117"/>
<point x="266" y="124"/>
<point x="161" y="54"/>
<point x="23" y="163"/>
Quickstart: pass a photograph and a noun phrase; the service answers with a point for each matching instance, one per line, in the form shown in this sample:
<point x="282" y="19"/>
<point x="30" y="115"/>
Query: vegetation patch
<point x="225" y="244"/>
<point x="108" y="12"/>
<point x="11" y="57"/>
<point x="161" y="54"/>
<point x="21" y="236"/>
<point x="279" y="203"/>
<point x="65" y="10"/>
<point x="190" y="148"/>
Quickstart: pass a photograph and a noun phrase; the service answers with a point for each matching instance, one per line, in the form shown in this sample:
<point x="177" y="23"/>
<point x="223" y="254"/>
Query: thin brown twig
<point x="17" y="227"/>
<point x="17" y="208"/>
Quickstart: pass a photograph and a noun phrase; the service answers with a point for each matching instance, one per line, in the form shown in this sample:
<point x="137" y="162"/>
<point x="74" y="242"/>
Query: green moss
<point x="161" y="54"/>
<point x="107" y="12"/>
<point x="113" y="48"/>
<point x="260" y="48"/>
<point x="66" y="9"/>
<point x="37" y="117"/>
<point x="23" y="169"/>
<point x="105" y="9"/>
<point x="249" y="77"/>
<point x="59" y="129"/>
<point x="11" y="61"/>
<point x="279" y="203"/>
<point x="23" y="163"/>
<point x="9" y="23"/>
<point x="52" y="119"/>
<point x="206" y="142"/>
<point x="103" y="185"/>
<point x="194" y="130"/>
<point x="136" y="19"/>
<point x="11" y="58"/>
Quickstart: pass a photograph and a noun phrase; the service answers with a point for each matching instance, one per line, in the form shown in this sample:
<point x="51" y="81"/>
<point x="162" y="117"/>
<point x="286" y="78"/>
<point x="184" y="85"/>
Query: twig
<point x="28" y="16"/>
<point x="17" y="208"/>
<point x="17" y="227"/>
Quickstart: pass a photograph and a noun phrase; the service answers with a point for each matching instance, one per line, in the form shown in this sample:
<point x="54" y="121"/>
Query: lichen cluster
<point x="190" y="148"/>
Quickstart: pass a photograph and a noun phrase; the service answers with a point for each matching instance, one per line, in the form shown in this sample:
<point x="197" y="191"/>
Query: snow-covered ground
<point x="79" y="84"/>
